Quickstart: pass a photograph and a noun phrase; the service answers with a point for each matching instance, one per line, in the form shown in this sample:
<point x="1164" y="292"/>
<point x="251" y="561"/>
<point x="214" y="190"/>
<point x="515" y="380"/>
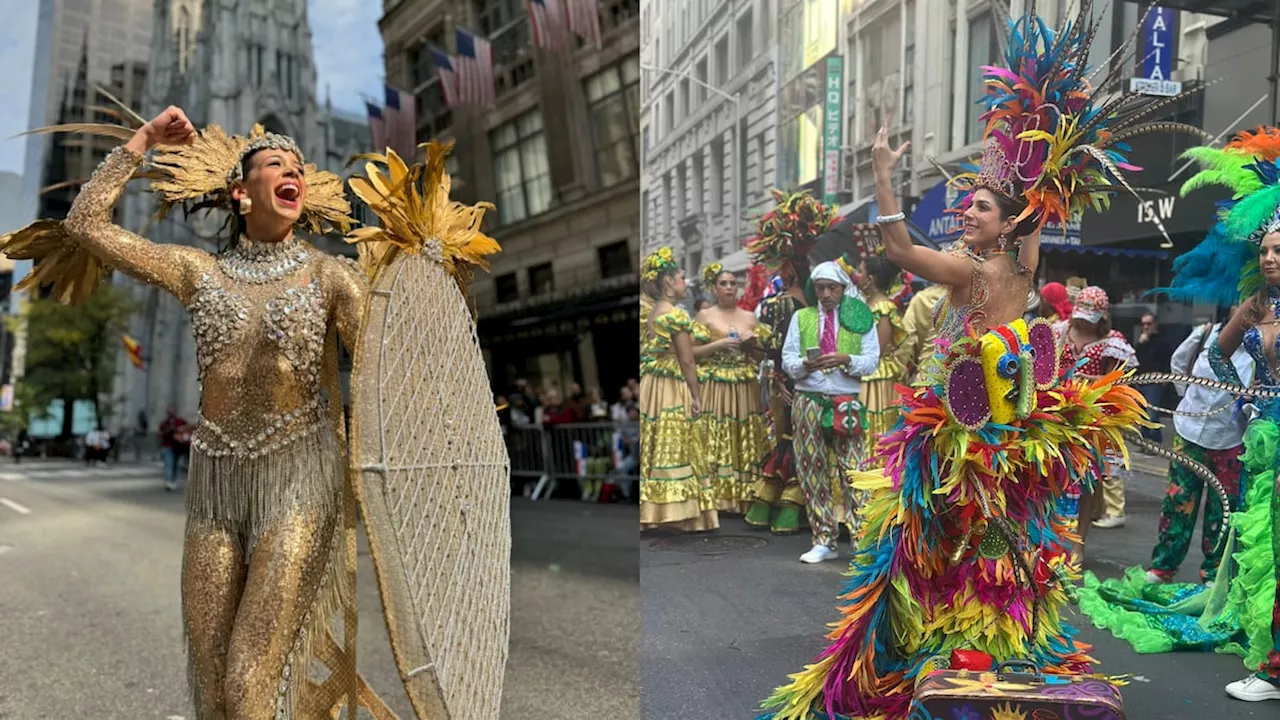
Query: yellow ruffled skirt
<point x="675" y="490"/>
<point x="883" y="409"/>
<point x="735" y="434"/>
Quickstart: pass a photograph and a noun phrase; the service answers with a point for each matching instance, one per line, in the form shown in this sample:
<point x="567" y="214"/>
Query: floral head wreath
<point x="1223" y="268"/>
<point x="1049" y="143"/>
<point x="786" y="234"/>
<point x="658" y="263"/>
<point x="710" y="273"/>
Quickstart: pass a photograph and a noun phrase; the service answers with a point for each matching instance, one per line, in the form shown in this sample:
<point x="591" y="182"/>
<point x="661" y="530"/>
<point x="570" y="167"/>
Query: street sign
<point x="1159" y="40"/>
<point x="832" y="128"/>
<point x="1147" y="86"/>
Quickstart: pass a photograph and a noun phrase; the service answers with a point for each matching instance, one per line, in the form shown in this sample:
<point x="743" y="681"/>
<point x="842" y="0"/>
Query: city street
<point x="90" y="620"/>
<point x="726" y="617"/>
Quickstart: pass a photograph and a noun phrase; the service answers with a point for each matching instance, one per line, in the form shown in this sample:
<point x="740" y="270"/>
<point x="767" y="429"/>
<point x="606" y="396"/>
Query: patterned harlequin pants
<point x="1182" y="501"/>
<point x="822" y="459"/>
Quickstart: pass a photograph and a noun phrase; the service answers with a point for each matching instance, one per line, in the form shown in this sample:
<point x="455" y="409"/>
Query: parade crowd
<point x="969" y="434"/>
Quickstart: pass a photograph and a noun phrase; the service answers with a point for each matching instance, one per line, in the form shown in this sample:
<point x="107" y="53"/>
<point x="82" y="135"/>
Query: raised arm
<point x="171" y="267"/>
<point x="930" y="264"/>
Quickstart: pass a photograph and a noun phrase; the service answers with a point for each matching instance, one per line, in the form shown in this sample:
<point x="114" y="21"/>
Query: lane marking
<point x="14" y="506"/>
<point x="12" y="477"/>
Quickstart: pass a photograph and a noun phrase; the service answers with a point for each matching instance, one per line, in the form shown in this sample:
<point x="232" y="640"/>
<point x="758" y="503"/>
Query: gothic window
<point x="183" y="38"/>
<point x="522" y="173"/>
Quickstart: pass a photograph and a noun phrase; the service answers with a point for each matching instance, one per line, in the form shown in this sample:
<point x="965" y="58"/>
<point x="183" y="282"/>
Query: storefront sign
<point x="1130" y="219"/>
<point x="832" y="126"/>
<point x="1158" y="51"/>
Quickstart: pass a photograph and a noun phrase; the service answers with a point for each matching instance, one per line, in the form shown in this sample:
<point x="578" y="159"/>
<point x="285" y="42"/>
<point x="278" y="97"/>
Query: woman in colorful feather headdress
<point x="1238" y="262"/>
<point x="784" y="238"/>
<point x="963" y="558"/>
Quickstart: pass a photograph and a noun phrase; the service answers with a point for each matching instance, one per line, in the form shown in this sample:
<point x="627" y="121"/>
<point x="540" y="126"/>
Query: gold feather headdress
<point x="194" y="177"/>
<point x="417" y="216"/>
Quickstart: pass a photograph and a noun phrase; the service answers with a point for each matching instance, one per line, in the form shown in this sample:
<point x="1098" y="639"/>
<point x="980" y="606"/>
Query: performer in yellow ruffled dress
<point x="876" y="276"/>
<point x="675" y="490"/>
<point x="733" y="425"/>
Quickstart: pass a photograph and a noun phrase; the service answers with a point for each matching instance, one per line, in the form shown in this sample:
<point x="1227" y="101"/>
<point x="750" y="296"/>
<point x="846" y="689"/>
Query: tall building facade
<point x="81" y="45"/>
<point x="709" y="124"/>
<point x="559" y="156"/>
<point x="233" y="63"/>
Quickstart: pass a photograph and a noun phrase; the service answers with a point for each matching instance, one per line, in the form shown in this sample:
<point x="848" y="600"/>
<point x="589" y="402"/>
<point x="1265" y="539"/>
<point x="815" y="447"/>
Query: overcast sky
<point x="348" y="61"/>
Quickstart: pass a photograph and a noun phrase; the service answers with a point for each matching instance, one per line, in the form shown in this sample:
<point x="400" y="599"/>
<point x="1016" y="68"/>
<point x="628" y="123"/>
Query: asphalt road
<point x="726" y="617"/>
<point x="90" y="620"/>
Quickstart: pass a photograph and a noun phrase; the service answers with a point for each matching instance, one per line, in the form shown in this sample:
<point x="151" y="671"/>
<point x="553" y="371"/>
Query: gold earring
<point x="246" y="206"/>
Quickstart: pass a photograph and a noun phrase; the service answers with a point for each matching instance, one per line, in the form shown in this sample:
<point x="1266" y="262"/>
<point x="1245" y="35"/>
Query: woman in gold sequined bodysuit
<point x="262" y="560"/>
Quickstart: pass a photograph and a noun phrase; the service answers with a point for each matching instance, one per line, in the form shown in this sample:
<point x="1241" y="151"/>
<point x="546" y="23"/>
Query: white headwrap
<point x="832" y="271"/>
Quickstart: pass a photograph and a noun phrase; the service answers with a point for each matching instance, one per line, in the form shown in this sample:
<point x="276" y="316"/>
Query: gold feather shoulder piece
<point x="73" y="271"/>
<point x="417" y="216"/>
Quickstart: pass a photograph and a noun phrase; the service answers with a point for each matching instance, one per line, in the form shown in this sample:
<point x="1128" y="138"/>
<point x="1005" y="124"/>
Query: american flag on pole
<point x="584" y="20"/>
<point x="377" y="127"/>
<point x="475" y="70"/>
<point x="448" y="77"/>
<point x="401" y="114"/>
<point x="548" y="24"/>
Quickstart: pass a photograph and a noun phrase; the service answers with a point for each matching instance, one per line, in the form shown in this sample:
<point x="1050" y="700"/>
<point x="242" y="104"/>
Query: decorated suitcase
<point x="1016" y="690"/>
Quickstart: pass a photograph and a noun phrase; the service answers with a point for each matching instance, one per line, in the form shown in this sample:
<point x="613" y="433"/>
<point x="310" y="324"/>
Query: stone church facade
<point x="232" y="63"/>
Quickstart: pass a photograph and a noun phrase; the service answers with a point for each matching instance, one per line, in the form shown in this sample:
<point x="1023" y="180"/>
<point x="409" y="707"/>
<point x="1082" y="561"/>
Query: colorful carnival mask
<point x="995" y="377"/>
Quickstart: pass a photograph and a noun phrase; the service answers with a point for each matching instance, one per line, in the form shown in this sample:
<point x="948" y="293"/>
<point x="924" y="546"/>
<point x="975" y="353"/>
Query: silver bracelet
<point x="888" y="219"/>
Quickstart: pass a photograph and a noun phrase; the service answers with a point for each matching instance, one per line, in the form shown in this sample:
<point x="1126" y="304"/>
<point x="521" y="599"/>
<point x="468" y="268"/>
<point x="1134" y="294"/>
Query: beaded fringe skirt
<point x="249" y="495"/>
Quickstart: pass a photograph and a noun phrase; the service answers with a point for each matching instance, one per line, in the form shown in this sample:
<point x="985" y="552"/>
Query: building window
<point x="669" y="109"/>
<point x="613" y="98"/>
<point x="716" y="185"/>
<point x="541" y="279"/>
<point x="686" y="99"/>
<point x="507" y="287"/>
<point x="722" y="62"/>
<point x="644" y="215"/>
<point x="909" y="69"/>
<point x="700" y="89"/>
<point x="983" y="50"/>
<point x="521" y="171"/>
<point x="745" y="49"/>
<point x="493" y="15"/>
<point x="615" y="260"/>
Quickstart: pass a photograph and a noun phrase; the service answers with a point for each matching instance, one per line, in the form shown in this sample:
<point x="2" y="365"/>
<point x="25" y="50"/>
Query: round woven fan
<point x="433" y="487"/>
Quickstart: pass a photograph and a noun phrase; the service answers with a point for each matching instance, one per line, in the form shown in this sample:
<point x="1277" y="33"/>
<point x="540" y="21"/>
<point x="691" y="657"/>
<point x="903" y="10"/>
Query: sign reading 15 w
<point x="1159" y="39"/>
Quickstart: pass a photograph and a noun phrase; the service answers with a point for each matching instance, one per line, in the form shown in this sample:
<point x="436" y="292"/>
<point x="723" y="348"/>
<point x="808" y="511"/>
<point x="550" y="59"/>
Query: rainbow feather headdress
<point x="1051" y="140"/>
<point x="1223" y="268"/>
<point x="787" y="233"/>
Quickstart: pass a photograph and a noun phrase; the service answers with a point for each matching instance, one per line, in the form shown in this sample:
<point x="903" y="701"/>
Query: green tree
<point x="72" y="351"/>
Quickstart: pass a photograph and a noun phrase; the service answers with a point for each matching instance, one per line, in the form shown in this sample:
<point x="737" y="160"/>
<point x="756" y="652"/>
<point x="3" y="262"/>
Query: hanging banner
<point x="832" y="126"/>
<point x="1159" y="39"/>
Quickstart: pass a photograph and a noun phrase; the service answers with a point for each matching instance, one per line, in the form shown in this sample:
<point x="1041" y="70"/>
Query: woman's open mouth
<point x="287" y="194"/>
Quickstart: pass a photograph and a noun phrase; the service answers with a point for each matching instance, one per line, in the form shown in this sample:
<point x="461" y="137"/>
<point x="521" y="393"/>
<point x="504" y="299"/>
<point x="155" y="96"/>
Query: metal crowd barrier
<point x="591" y="454"/>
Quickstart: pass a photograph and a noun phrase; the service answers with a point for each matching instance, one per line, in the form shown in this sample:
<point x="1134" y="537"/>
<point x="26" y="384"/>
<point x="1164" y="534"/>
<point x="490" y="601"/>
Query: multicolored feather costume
<point x="1238" y="613"/>
<point x="961" y="532"/>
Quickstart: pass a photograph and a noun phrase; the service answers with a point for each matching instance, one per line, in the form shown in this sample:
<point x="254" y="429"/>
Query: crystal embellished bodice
<point x="259" y="323"/>
<point x="1266" y="360"/>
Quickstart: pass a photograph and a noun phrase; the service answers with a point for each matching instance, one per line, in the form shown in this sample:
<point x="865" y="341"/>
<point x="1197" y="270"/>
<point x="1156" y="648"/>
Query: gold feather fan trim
<point x="417" y="216"/>
<point x="73" y="271"/>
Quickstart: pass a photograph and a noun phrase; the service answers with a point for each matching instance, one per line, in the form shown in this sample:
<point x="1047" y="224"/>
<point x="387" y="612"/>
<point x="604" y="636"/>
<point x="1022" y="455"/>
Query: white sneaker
<point x="818" y="554"/>
<point x="1155" y="578"/>
<point x="1109" y="521"/>
<point x="1253" y="689"/>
